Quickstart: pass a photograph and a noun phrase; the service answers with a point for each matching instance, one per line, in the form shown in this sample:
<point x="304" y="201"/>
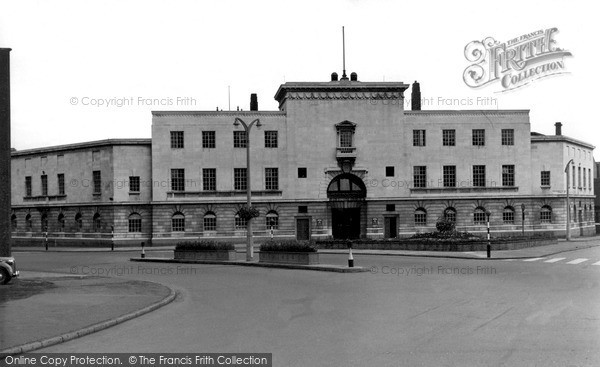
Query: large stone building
<point x="338" y="159"/>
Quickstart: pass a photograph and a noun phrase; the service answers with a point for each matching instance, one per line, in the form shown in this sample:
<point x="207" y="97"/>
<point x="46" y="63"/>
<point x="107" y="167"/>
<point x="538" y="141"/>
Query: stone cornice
<point x="85" y="145"/>
<point x="219" y="113"/>
<point x="466" y="112"/>
<point x="560" y="139"/>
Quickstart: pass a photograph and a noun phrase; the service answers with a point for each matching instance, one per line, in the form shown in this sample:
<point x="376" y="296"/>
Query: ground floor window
<point x="450" y="214"/>
<point x="479" y="216"/>
<point x="210" y="221"/>
<point x="272" y="220"/>
<point x="135" y="223"/>
<point x="420" y="217"/>
<point x="508" y="215"/>
<point x="546" y="214"/>
<point x="178" y="222"/>
<point x="240" y="223"/>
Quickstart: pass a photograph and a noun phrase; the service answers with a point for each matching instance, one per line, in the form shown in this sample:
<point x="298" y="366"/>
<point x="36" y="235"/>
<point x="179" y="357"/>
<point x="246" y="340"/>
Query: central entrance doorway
<point x="346" y="193"/>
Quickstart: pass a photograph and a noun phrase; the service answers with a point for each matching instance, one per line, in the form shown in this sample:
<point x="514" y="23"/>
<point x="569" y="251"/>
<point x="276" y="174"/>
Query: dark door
<point x="390" y="227"/>
<point x="303" y="229"/>
<point x="346" y="223"/>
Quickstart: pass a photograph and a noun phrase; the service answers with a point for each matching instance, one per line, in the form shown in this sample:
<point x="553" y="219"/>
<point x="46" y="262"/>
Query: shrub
<point x="204" y="246"/>
<point x="289" y="246"/>
<point x="248" y="213"/>
<point x="444" y="225"/>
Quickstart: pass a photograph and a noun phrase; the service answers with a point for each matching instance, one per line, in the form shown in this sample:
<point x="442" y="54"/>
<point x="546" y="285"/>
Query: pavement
<point x="91" y="303"/>
<point x="43" y="309"/>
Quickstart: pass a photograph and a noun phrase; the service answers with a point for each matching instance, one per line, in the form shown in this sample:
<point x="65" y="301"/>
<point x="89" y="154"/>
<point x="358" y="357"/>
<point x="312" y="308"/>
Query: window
<point x="573" y="183"/>
<point x="389" y="171"/>
<point x="28" y="186"/>
<point x="28" y="222"/>
<point x="272" y="220"/>
<point x="270" y="139"/>
<point x="176" y="139"/>
<point x="546" y="214"/>
<point x="209" y="179"/>
<point x="302" y="172"/>
<point x="240" y="223"/>
<point x="508" y="175"/>
<point x="590" y="178"/>
<point x="208" y="139"/>
<point x="579" y="177"/>
<point x="271" y="179"/>
<point x="390" y="207"/>
<point x="13" y="222"/>
<point x="303" y="209"/>
<point x="479" y="216"/>
<point x="135" y="223"/>
<point x="420" y="217"/>
<point x="545" y="178"/>
<point x="240" y="179"/>
<point x="61" y="183"/>
<point x="61" y="222"/>
<point x="449" y="176"/>
<point x="448" y="138"/>
<point x="44" y="179"/>
<point x="508" y="215"/>
<point x="178" y="222"/>
<point x="508" y="137"/>
<point x="177" y="179"/>
<point x="210" y="221"/>
<point x="134" y="183"/>
<point x="346" y="138"/>
<point x="79" y="221"/>
<point x="97" y="222"/>
<point x="478" y="137"/>
<point x="97" y="182"/>
<point x="239" y="139"/>
<point x="420" y="176"/>
<point x="584" y="179"/>
<point x="419" y="138"/>
<point x="479" y="176"/>
<point x="450" y="214"/>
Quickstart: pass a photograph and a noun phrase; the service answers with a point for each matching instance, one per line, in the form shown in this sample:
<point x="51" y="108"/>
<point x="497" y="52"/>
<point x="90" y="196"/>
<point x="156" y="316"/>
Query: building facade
<point x="339" y="159"/>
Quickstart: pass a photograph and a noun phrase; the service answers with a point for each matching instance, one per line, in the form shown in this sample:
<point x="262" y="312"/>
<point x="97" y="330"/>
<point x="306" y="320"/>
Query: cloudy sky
<point x="69" y="57"/>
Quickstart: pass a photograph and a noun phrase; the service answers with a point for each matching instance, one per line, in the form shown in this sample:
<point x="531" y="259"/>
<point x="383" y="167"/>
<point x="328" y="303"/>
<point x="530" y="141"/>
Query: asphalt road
<point x="407" y="311"/>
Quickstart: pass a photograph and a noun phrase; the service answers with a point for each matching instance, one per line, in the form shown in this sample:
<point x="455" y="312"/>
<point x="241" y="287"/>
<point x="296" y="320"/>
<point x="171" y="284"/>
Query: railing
<point x="44" y="198"/>
<point x="346" y="151"/>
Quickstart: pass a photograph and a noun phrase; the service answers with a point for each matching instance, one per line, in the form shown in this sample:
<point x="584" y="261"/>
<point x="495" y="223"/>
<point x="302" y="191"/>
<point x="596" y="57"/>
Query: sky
<point x="91" y="70"/>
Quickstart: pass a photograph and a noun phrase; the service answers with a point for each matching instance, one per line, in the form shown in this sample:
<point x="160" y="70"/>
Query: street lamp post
<point x="489" y="246"/>
<point x="249" y="241"/>
<point x="568" y="209"/>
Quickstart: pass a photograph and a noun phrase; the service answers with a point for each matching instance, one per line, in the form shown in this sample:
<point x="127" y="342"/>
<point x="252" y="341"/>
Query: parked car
<point x="8" y="269"/>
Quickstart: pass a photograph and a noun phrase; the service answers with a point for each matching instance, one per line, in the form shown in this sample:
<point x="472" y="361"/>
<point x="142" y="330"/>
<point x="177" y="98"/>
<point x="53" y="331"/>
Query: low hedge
<point x="204" y="246"/>
<point x="288" y="246"/>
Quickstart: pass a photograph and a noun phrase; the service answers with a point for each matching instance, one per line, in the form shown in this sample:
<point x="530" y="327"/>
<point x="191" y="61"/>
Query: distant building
<point x="339" y="159"/>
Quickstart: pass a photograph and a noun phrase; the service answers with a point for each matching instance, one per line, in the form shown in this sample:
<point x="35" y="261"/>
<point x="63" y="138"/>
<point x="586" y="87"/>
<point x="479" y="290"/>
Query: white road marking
<point x="598" y="263"/>
<point x="577" y="261"/>
<point x="535" y="259"/>
<point x="556" y="259"/>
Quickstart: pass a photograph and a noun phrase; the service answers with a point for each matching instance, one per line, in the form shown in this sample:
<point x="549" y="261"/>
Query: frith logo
<point x="514" y="63"/>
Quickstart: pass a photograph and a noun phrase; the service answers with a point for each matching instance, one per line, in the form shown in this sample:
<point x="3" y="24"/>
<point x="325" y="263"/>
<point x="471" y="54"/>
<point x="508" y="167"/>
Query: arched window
<point x="44" y="222"/>
<point x="28" y="222"/>
<point x="240" y="223"/>
<point x="272" y="220"/>
<point x="210" y="221"/>
<point x="546" y="214"/>
<point x="420" y="217"/>
<point x="178" y="222"/>
<point x="479" y="215"/>
<point x="13" y="222"/>
<point x="135" y="223"/>
<point x="346" y="186"/>
<point x="79" y="220"/>
<point x="450" y="214"/>
<point x="97" y="222"/>
<point x="508" y="215"/>
<point x="61" y="222"/>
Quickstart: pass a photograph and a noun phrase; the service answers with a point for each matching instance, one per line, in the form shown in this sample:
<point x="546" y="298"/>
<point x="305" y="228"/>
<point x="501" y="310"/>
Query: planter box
<point x="298" y="258"/>
<point x="205" y="255"/>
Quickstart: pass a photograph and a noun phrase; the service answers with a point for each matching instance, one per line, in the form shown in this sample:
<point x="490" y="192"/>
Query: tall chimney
<point x="5" y="235"/>
<point x="415" y="97"/>
<point x="558" y="127"/>
<point x="253" y="102"/>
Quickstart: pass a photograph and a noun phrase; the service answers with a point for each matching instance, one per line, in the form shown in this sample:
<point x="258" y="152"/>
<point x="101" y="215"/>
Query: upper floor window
<point x="420" y="176"/>
<point x="134" y="183"/>
<point x="177" y="179"/>
<point x="545" y="178"/>
<point x="176" y="139"/>
<point x="389" y="171"/>
<point x="44" y="179"/>
<point x="419" y="138"/>
<point x="61" y="183"/>
<point x="508" y="175"/>
<point x="448" y="138"/>
<point x="239" y="139"/>
<point x="449" y="176"/>
<point x="271" y="179"/>
<point x="346" y="139"/>
<point x="97" y="182"/>
<point x="478" y="137"/>
<point x="345" y="130"/>
<point x="479" y="176"/>
<point x="271" y="139"/>
<point x="28" y="186"/>
<point x="240" y="179"/>
<point x="208" y="139"/>
<point x="508" y="137"/>
<point x="209" y="179"/>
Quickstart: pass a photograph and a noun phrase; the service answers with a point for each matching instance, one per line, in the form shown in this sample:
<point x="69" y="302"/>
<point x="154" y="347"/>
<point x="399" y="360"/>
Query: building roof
<point x="84" y="145"/>
<point x="218" y="113"/>
<point x="559" y="138"/>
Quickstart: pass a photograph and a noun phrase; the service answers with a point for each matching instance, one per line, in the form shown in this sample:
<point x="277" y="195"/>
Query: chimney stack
<point x="558" y="127"/>
<point x="415" y="97"/>
<point x="253" y="102"/>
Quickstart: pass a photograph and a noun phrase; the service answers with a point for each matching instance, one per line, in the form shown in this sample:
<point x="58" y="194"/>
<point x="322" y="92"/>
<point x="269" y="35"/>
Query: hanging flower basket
<point x="247" y="213"/>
